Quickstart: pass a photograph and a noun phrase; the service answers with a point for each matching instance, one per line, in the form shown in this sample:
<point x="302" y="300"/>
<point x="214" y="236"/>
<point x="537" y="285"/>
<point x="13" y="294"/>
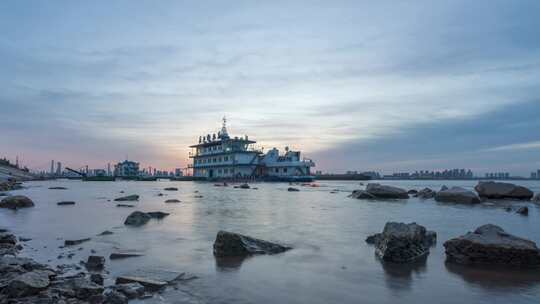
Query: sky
<point x="355" y="85"/>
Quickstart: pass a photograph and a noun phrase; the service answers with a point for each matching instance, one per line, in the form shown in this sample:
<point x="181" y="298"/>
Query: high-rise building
<point x="52" y="167"/>
<point x="58" y="168"/>
<point x="109" y="173"/>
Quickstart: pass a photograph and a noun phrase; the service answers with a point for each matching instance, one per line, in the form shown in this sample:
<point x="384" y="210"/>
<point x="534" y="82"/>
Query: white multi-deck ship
<point x="223" y="157"/>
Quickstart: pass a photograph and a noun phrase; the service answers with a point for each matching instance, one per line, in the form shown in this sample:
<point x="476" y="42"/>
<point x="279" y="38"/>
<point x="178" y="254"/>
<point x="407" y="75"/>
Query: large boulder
<point x="490" y="244"/>
<point x="378" y="191"/>
<point x="27" y="284"/>
<point x="137" y="218"/>
<point x="498" y="190"/>
<point x="425" y="193"/>
<point x="95" y="262"/>
<point x="457" y="195"/>
<point x="402" y="243"/>
<point x="536" y="198"/>
<point x="16" y="202"/>
<point x="234" y="244"/>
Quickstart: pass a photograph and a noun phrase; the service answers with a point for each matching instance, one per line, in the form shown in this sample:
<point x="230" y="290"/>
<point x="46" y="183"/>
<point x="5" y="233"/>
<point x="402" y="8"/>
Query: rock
<point x="443" y="188"/>
<point x="106" y="232"/>
<point x="378" y="191"/>
<point x="412" y="192"/>
<point x="291" y="189"/>
<point x="361" y="194"/>
<point x="79" y="286"/>
<point x="120" y="255"/>
<point x="157" y="214"/>
<point x="523" y="210"/>
<point x="65" y="203"/>
<point x="151" y="279"/>
<point x="171" y="189"/>
<point x="125" y="205"/>
<point x="457" y="195"/>
<point x="137" y="218"/>
<point x="8" y="238"/>
<point x="114" y="297"/>
<point x="149" y="284"/>
<point x="425" y="193"/>
<point x="174" y="200"/>
<point x="75" y="242"/>
<point x="130" y="290"/>
<point x="27" y="284"/>
<point x="95" y="262"/>
<point x="498" y="190"/>
<point x="536" y="198"/>
<point x="402" y="243"/>
<point x="160" y="194"/>
<point x="198" y="196"/>
<point x="16" y="202"/>
<point x="57" y="188"/>
<point x="3" y="194"/>
<point x="490" y="244"/>
<point x="97" y="278"/>
<point x="233" y="244"/>
<point x="133" y="197"/>
<point x="244" y="186"/>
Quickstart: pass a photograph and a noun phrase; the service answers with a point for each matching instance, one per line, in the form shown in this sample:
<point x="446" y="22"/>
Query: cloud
<point x="534" y="145"/>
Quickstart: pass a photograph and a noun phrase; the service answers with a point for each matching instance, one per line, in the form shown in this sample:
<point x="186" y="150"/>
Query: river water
<point x="330" y="262"/>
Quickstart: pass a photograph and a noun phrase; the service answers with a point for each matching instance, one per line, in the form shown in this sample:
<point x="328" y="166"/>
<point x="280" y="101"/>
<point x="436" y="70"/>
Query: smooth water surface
<point x="330" y="262"/>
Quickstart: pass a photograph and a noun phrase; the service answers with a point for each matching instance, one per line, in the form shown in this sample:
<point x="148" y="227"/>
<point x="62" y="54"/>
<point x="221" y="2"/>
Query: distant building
<point x="58" y="168"/>
<point x="126" y="169"/>
<point x="178" y="172"/>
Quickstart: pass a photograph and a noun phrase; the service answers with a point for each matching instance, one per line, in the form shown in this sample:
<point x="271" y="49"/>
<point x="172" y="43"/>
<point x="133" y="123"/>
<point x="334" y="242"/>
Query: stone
<point x="8" y="238"/>
<point x="75" y="242"/>
<point x="536" y="198"/>
<point x="425" y="193"/>
<point x="130" y="290"/>
<point x="133" y="197"/>
<point x="125" y="205"/>
<point x="412" y="192"/>
<point x="137" y="218"/>
<point x="148" y="283"/>
<point x="291" y="189"/>
<point x="174" y="200"/>
<point x="378" y="191"/>
<point x="402" y="243"/>
<point x="97" y="278"/>
<point x="234" y="244"/>
<point x="171" y="189"/>
<point x="157" y="214"/>
<point x="80" y="287"/>
<point x="95" y="262"/>
<point x="498" y="190"/>
<point x="64" y="203"/>
<point x="151" y="279"/>
<point x="361" y="194"/>
<point x="123" y="255"/>
<point x="457" y="195"/>
<point x="244" y="186"/>
<point x="114" y="297"/>
<point x="27" y="284"/>
<point x="57" y="188"/>
<point x="490" y="244"/>
<point x="106" y="232"/>
<point x="16" y="202"/>
<point x="523" y="210"/>
<point x="443" y="188"/>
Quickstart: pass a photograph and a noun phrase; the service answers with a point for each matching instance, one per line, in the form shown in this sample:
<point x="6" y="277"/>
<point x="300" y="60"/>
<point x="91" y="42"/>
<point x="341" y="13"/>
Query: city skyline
<point x="354" y="85"/>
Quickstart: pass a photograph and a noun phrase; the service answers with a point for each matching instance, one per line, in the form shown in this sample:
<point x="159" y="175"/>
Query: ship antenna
<point x="224" y="128"/>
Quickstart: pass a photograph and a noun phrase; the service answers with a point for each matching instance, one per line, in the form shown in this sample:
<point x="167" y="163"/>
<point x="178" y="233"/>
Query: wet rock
<point x="97" y="278"/>
<point x="125" y="205"/>
<point x="160" y="194"/>
<point x="234" y="244"/>
<point x="361" y="194"/>
<point x="490" y="244"/>
<point x="137" y="218"/>
<point x="148" y="283"/>
<point x="80" y="287"/>
<point x="157" y="214"/>
<point x="27" y="284"/>
<point x="3" y="194"/>
<point x="123" y="255"/>
<point x="174" y="200"/>
<point x="523" y="210"/>
<point x="8" y="238"/>
<point x="498" y="190"/>
<point x="244" y="186"/>
<point x="171" y="189"/>
<point x="443" y="188"/>
<point x="23" y="239"/>
<point x="106" y="232"/>
<point x="75" y="242"/>
<point x="114" y="297"/>
<point x="64" y="203"/>
<point x="378" y="191"/>
<point x="457" y="195"/>
<point x="426" y="193"/>
<point x="16" y="202"/>
<point x="536" y="198"/>
<point x="412" y="192"/>
<point x="130" y="290"/>
<point x="291" y="189"/>
<point x="95" y="262"/>
<point x="402" y="243"/>
<point x="151" y="279"/>
<point x="57" y="188"/>
<point x="133" y="197"/>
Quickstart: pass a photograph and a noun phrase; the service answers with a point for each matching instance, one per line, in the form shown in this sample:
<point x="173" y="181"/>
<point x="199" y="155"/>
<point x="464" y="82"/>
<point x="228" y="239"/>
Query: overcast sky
<point x="361" y="85"/>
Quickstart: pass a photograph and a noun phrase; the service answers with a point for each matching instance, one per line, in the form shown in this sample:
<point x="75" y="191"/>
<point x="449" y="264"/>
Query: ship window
<point x="219" y="171"/>
<point x="220" y="159"/>
<point x="226" y="170"/>
<point x="226" y="158"/>
<point x="277" y="170"/>
<point x="284" y="170"/>
<point x="215" y="159"/>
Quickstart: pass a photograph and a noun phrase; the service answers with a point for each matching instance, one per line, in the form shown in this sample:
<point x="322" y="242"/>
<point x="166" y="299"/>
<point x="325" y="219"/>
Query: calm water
<point x="330" y="262"/>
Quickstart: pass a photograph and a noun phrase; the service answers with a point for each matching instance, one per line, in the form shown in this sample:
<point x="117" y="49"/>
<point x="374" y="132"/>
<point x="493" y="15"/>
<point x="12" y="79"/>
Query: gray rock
<point x="378" y="191"/>
<point x="402" y="243"/>
<point x="536" y="198"/>
<point x="425" y="193"/>
<point x="95" y="262"/>
<point x="80" y="287"/>
<point x="244" y="186"/>
<point x="57" y="188"/>
<point x="64" y="203"/>
<point x="125" y="205"/>
<point x="8" y="238"/>
<point x="137" y="218"/>
<point x="114" y="297"/>
<point x="498" y="190"/>
<point x="171" y="189"/>
<point x="27" y="284"/>
<point x="174" y="200"/>
<point x="75" y="242"/>
<point x="457" y="195"/>
<point x="234" y="244"/>
<point x="490" y="244"/>
<point x="133" y="197"/>
<point x="123" y="255"/>
<point x="443" y="188"/>
<point x="157" y="214"/>
<point x="16" y="202"/>
<point x="412" y="192"/>
<point x="523" y="210"/>
<point x="97" y="278"/>
<point x="361" y="194"/>
<point x="106" y="232"/>
<point x="291" y="189"/>
<point x="130" y="290"/>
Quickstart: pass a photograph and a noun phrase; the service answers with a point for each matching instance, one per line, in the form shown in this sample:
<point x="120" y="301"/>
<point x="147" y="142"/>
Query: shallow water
<point x="330" y="262"/>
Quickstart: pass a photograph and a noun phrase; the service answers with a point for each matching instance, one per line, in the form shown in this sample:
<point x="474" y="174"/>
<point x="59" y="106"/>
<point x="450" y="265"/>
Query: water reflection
<point x="225" y="264"/>
<point x="496" y="278"/>
<point x="400" y="277"/>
